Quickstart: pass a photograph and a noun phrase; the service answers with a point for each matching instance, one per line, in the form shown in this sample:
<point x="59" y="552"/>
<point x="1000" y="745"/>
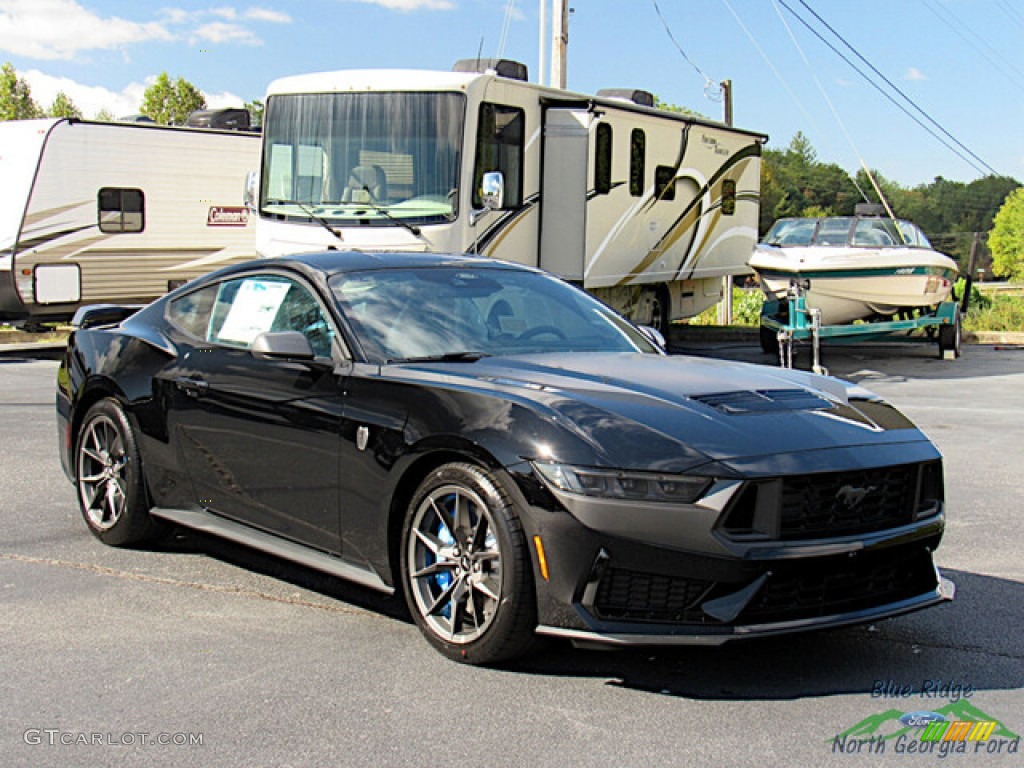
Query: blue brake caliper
<point x="443" y="579"/>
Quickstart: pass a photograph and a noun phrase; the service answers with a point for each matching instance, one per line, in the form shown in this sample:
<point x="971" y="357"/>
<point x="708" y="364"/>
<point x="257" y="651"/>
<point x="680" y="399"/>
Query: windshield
<point x="366" y="158"/>
<point x="867" y="232"/>
<point x="466" y="313"/>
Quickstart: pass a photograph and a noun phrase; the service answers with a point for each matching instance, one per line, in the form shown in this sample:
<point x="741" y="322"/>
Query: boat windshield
<point x="873" y="232"/>
<point x="367" y="158"/>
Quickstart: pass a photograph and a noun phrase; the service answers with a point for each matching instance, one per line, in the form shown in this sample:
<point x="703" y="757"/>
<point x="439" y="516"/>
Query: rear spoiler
<point x="103" y="314"/>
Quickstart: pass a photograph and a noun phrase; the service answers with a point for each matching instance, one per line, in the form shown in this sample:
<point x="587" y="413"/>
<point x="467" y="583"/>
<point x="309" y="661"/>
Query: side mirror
<point x="492" y="190"/>
<point x="654" y="336"/>
<point x="252" y="190"/>
<point x="282" y="345"/>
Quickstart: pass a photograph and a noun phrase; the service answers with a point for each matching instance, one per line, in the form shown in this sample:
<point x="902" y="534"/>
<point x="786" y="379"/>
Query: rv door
<point x="564" y="193"/>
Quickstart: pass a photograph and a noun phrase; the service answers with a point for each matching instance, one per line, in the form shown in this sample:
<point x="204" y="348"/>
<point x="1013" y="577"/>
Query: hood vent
<point x="765" y="401"/>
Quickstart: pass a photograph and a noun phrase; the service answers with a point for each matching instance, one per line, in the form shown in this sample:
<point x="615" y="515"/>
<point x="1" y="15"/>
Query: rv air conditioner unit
<point x="513" y="70"/>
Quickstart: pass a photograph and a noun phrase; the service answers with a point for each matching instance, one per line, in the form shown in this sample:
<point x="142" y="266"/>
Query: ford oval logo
<point x="921" y="719"/>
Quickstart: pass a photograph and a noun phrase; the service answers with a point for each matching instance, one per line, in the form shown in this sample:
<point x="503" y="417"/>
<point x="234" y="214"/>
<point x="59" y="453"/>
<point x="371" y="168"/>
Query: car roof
<point x="335" y="262"/>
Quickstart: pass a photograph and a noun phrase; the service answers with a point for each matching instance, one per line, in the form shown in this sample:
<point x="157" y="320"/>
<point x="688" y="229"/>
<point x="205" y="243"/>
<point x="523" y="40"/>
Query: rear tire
<point x="951" y="337"/>
<point x="109" y="479"/>
<point x="769" y="341"/>
<point x="465" y="567"/>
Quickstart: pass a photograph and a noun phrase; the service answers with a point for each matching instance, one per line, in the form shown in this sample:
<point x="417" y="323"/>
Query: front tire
<point x="109" y="480"/>
<point x="466" y="571"/>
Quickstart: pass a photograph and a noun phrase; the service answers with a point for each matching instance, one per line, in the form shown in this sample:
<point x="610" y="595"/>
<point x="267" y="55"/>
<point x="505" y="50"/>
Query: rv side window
<point x="728" y="197"/>
<point x="499" y="147"/>
<point x="121" y="210"/>
<point x="603" y="159"/>
<point x="637" y="160"/>
<point x="665" y="182"/>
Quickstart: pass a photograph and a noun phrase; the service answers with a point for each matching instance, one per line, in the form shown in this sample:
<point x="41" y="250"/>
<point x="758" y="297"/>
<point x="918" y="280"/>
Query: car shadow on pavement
<point x="183" y="541"/>
<point x="972" y="641"/>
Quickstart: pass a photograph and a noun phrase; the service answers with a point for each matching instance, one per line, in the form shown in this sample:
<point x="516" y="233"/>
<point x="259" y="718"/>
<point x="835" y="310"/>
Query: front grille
<point x="846" y="503"/>
<point x="834" y="504"/>
<point x="637" y="596"/>
<point x="838" y="585"/>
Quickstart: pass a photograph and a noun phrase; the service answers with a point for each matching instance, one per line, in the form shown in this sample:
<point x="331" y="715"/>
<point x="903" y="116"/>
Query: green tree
<point x="255" y="108"/>
<point x="1006" y="241"/>
<point x="659" y="104"/>
<point x="63" y="106"/>
<point x="105" y="115"/>
<point x="16" y="101"/>
<point x="170" y="102"/>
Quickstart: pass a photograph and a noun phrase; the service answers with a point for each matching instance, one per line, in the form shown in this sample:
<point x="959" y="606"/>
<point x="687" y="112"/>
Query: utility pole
<point x="725" y="308"/>
<point x="559" y="41"/>
<point x="543" y="40"/>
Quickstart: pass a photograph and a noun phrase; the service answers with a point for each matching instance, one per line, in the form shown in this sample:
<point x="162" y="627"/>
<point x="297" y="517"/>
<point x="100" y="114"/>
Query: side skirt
<point x="272" y="545"/>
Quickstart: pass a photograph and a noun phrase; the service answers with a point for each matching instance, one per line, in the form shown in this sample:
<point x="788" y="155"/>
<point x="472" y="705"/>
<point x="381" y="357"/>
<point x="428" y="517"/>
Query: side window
<point x="728" y="197"/>
<point x="235" y="312"/>
<point x="121" y="210"/>
<point x="637" y="161"/>
<point x="191" y="312"/>
<point x="499" y="147"/>
<point x="603" y="159"/>
<point x="665" y="182"/>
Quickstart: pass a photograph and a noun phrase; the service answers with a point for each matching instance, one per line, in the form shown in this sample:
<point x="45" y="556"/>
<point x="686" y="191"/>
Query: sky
<point x="960" y="61"/>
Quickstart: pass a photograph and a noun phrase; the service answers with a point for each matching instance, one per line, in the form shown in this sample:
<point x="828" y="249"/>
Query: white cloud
<point x="58" y="29"/>
<point x="225" y="32"/>
<point x="90" y="99"/>
<point x="411" y="5"/>
<point x="915" y="74"/>
<point x="265" y="14"/>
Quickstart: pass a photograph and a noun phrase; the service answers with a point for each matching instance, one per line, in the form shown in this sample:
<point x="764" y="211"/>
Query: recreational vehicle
<point x="94" y="212"/>
<point x="646" y="208"/>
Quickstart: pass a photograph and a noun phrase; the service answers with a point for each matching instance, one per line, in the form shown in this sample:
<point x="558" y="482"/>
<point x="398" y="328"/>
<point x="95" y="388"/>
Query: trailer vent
<point x="513" y="70"/>
<point x="633" y="95"/>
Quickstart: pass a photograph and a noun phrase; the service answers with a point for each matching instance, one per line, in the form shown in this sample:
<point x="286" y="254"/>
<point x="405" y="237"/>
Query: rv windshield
<point x="366" y="158"/>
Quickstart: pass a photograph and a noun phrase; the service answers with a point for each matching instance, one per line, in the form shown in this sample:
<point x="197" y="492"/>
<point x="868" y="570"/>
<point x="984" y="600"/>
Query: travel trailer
<point x="94" y="212"/>
<point x="646" y="208"/>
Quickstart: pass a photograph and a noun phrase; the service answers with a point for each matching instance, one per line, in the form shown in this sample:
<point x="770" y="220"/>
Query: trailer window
<point x="665" y="182"/>
<point x="637" y="161"/>
<point x="121" y="210"/>
<point x="603" y="159"/>
<point x="728" y="197"/>
<point x="499" y="147"/>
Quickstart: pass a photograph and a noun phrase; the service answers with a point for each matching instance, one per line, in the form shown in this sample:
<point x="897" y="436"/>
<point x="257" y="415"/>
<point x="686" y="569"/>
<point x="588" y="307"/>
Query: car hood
<point x="673" y="413"/>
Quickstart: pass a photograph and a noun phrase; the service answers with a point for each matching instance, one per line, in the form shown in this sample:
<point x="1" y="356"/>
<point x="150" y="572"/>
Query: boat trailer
<point x="789" y="320"/>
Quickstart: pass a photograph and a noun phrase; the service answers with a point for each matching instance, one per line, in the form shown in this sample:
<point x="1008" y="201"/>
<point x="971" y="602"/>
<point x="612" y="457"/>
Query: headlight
<point x="620" y="484"/>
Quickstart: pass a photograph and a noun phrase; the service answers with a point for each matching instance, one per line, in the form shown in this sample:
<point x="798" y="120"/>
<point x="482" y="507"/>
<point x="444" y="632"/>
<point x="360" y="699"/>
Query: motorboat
<point x="861" y="267"/>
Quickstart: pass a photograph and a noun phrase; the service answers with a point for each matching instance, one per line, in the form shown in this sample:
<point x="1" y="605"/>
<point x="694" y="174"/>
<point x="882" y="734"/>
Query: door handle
<point x="192" y="386"/>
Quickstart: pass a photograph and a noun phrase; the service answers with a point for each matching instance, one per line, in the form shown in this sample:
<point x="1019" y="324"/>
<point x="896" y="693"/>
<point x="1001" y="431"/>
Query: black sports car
<point x="505" y="450"/>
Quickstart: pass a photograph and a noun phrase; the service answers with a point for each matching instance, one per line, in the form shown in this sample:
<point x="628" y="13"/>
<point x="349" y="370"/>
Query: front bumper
<point x="622" y="587"/>
<point x="636" y="635"/>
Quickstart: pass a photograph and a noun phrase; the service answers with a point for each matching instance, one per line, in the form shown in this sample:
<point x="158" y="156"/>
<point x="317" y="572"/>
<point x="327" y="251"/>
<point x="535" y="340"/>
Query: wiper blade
<point x="388" y="215"/>
<point x="447" y="357"/>
<point x="309" y="212"/>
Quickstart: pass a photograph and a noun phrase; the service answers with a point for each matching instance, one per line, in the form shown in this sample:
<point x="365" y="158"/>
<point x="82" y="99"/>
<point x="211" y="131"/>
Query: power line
<point x="709" y="82"/>
<point x="958" y="27"/>
<point x="978" y="164"/>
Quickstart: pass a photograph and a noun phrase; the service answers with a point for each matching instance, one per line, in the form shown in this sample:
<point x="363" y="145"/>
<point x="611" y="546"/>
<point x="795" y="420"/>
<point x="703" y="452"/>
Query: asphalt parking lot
<point x="201" y="653"/>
